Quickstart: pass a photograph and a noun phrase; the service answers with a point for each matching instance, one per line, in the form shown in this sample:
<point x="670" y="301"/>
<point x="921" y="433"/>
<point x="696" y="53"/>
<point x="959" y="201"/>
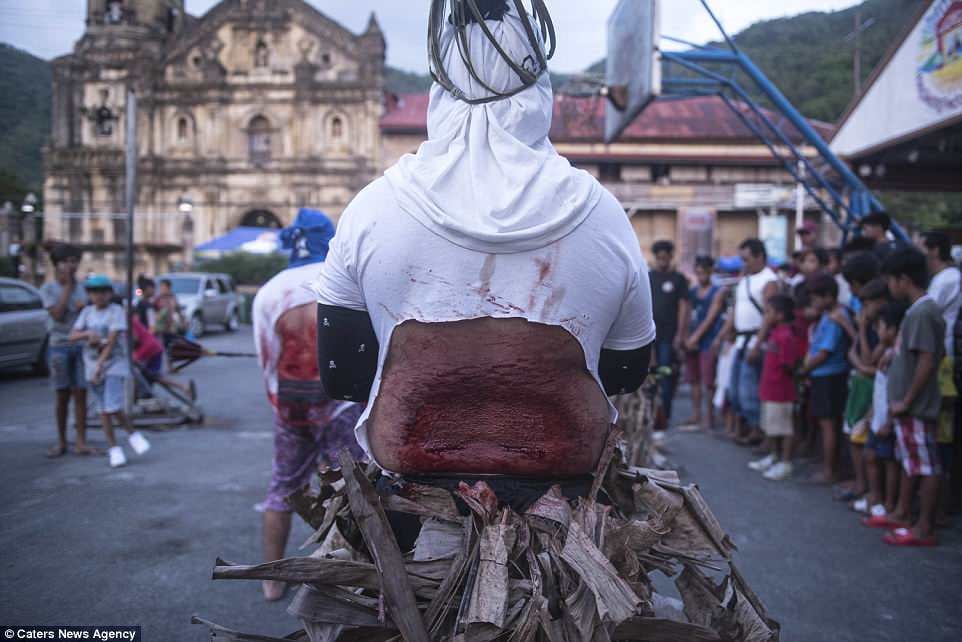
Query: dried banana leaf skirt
<point x="560" y="571"/>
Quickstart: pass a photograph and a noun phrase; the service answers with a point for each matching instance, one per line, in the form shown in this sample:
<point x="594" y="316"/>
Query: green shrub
<point x="244" y="268"/>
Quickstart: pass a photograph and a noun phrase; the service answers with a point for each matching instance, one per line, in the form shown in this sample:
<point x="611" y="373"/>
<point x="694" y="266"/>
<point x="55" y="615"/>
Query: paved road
<point x="82" y="544"/>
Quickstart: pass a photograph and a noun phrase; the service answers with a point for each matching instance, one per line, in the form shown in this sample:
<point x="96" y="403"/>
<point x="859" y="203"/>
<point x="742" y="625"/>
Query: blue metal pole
<point x="781" y="103"/>
<point x="682" y="60"/>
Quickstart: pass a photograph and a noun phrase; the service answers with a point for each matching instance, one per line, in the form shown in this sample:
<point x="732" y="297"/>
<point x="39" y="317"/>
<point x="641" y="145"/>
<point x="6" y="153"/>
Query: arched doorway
<point x="261" y="218"/>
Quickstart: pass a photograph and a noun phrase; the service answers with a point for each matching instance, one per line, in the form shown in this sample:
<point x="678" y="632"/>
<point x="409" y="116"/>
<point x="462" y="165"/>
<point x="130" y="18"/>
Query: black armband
<point x="623" y="371"/>
<point x="347" y="351"/>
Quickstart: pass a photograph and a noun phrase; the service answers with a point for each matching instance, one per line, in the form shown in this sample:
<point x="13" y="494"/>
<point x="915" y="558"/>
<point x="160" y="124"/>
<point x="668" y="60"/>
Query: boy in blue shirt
<point x="827" y="367"/>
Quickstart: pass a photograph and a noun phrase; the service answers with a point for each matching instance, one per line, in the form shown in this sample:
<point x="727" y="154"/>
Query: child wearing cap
<point x="103" y="328"/>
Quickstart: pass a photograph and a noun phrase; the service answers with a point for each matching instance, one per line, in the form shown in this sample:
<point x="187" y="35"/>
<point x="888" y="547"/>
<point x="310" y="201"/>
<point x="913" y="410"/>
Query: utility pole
<point x="857" y="63"/>
<point x="130" y="194"/>
<point x="856" y="37"/>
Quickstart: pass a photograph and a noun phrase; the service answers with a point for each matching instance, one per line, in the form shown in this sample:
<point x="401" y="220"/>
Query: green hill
<point x="809" y="59"/>
<point x="25" y="114"/>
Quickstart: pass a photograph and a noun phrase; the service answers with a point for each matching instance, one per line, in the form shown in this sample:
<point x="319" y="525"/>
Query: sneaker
<point x="860" y="505"/>
<point x="878" y="511"/>
<point x="117" y="458"/>
<point x="778" y="472"/>
<point x="658" y="436"/>
<point x="763" y="464"/>
<point x="139" y="443"/>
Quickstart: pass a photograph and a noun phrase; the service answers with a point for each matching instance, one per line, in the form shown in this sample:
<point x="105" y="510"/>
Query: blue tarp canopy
<point x="256" y="240"/>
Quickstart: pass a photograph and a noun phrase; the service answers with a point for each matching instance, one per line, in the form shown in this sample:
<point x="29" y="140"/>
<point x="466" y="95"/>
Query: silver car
<point x="206" y="300"/>
<point x="23" y="326"/>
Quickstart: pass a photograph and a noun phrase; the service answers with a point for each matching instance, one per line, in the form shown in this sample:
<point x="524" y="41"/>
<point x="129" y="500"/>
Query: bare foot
<point x="84" y="450"/>
<point x="820" y="479"/>
<point x="57" y="450"/>
<point x="273" y="590"/>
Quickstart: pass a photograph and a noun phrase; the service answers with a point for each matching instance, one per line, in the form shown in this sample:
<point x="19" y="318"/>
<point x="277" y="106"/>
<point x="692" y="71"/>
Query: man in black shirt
<point x="669" y="297"/>
<point x="876" y="226"/>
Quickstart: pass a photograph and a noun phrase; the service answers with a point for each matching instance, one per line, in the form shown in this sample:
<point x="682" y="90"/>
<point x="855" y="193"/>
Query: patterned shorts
<point x="916" y="446"/>
<point x="299" y="449"/>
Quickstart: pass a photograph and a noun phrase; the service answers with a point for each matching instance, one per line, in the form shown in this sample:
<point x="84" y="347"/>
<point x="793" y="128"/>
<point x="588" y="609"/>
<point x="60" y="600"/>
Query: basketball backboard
<point x="633" y="75"/>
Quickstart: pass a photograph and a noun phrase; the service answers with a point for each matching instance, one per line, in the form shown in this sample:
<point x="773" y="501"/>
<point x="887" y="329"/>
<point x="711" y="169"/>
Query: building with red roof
<point x="683" y="164"/>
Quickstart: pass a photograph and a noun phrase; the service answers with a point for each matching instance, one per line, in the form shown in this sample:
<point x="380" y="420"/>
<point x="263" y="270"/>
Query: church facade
<point x="243" y="115"/>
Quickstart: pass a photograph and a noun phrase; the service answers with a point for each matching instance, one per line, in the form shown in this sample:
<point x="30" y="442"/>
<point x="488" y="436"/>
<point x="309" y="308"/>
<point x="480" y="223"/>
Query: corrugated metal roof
<point x="576" y="119"/>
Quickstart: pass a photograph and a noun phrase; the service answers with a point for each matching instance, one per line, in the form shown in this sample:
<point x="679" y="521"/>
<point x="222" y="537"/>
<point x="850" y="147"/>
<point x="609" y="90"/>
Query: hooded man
<point x="505" y="288"/>
<point x="309" y="427"/>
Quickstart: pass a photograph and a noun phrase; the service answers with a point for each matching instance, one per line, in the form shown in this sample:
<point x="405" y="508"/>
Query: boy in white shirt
<point x="103" y="326"/>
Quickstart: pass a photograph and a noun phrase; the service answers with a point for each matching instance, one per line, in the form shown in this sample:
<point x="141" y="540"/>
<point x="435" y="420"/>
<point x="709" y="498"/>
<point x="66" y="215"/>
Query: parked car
<point x="23" y="326"/>
<point x="205" y="300"/>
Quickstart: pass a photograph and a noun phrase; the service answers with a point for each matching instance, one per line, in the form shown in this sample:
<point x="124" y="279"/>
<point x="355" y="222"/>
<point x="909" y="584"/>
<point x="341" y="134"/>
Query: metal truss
<point x="845" y="199"/>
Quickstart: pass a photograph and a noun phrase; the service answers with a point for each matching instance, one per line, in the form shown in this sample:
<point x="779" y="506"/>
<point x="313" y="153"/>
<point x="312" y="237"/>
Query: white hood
<point x="487" y="178"/>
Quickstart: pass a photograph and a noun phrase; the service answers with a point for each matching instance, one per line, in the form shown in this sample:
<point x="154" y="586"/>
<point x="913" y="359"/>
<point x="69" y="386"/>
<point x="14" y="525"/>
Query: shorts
<point x="109" y="395"/>
<point x="828" y="395"/>
<point x="153" y="368"/>
<point x="700" y="368"/>
<point x="777" y="418"/>
<point x="857" y="406"/>
<point x="299" y="449"/>
<point x="883" y="447"/>
<point x="743" y="389"/>
<point x="66" y="366"/>
<point x="945" y="456"/>
<point x="916" y="446"/>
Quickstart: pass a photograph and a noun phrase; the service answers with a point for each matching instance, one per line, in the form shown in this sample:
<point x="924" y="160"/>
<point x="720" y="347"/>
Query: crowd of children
<point x="856" y="357"/>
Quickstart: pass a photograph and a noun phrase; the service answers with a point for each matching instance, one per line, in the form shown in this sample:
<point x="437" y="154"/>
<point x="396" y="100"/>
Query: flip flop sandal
<point x="881" y="521"/>
<point x="55" y="452"/>
<point x="846" y="495"/>
<point x="817" y="480"/>
<point x="88" y="451"/>
<point x="905" y="537"/>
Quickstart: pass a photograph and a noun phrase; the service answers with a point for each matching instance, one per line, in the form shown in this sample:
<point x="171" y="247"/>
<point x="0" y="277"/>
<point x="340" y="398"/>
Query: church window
<point x="104" y="117"/>
<point x="115" y="12"/>
<point x="183" y="129"/>
<point x="325" y="59"/>
<point x="261" y="54"/>
<point x="259" y="140"/>
<point x="337" y="128"/>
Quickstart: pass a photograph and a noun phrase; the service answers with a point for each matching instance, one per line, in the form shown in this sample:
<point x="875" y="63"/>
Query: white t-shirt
<point x="844" y="290"/>
<point x="288" y="289"/>
<point x="592" y="282"/>
<point x="103" y="321"/>
<point x="880" y="401"/>
<point x="945" y="290"/>
<point x="748" y="317"/>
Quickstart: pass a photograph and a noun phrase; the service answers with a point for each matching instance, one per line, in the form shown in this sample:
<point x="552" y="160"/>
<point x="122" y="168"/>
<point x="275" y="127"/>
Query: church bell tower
<point x="134" y="26"/>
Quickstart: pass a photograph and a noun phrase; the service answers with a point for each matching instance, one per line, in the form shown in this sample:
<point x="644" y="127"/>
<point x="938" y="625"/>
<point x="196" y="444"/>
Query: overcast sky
<point x="48" y="28"/>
